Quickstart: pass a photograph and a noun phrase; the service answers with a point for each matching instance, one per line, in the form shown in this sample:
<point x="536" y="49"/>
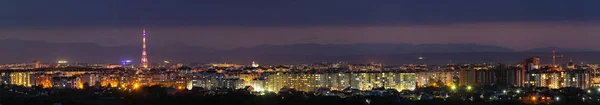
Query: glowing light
<point x="135" y="86"/>
<point x="533" y="98"/>
<point x="504" y="91"/>
<point x="589" y="91"/>
<point x="144" y="58"/>
<point x="258" y="89"/>
<point x="557" y="98"/>
<point x="469" y="87"/>
<point x="62" y="61"/>
<point x="453" y="87"/>
<point x="518" y="91"/>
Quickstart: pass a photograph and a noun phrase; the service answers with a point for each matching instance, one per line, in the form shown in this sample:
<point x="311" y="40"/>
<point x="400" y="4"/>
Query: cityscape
<point x="299" y="52"/>
<point x="530" y="81"/>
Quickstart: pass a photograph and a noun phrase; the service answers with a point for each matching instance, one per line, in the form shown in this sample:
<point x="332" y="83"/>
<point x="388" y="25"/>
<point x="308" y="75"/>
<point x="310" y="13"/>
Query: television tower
<point x="144" y="56"/>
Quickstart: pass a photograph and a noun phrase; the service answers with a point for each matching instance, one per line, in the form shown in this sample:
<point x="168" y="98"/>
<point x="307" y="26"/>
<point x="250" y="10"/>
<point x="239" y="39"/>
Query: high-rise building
<point x="531" y="64"/>
<point x="510" y="76"/>
<point x="144" y="55"/>
<point x="570" y="65"/>
<point x="36" y="64"/>
<point x="476" y="77"/>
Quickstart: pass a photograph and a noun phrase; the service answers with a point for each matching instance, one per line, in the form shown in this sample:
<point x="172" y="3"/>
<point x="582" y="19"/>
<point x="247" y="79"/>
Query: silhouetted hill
<point x="366" y="49"/>
<point x="558" y="49"/>
<point x="25" y="51"/>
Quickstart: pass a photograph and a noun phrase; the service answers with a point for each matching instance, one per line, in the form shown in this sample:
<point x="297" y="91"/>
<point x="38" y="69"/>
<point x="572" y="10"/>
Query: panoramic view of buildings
<point x="299" y="52"/>
<point x="530" y="81"/>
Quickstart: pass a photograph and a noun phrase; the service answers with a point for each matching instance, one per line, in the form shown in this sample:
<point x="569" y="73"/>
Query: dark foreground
<point x="156" y="95"/>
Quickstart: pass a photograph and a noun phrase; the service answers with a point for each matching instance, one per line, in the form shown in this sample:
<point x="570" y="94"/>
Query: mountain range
<point x="15" y="50"/>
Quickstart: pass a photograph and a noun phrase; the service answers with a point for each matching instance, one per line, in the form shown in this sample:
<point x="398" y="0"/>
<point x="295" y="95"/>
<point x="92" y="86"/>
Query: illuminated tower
<point x="144" y="58"/>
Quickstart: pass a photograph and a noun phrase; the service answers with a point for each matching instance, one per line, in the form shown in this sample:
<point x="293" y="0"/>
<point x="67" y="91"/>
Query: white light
<point x="62" y="61"/>
<point x="257" y="89"/>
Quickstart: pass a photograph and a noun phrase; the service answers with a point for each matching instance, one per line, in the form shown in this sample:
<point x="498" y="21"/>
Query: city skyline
<point x="299" y="52"/>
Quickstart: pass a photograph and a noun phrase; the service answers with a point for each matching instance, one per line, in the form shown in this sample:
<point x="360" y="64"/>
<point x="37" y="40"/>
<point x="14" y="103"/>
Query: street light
<point x="589" y="91"/>
<point x="469" y="87"/>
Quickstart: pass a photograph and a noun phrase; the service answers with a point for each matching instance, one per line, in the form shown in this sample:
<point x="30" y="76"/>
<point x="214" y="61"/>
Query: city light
<point x="62" y="62"/>
<point x="269" y="78"/>
<point x="589" y="91"/>
<point x="258" y="89"/>
<point x="135" y="86"/>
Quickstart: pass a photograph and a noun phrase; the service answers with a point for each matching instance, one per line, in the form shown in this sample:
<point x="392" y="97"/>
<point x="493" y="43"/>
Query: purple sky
<point x="515" y="24"/>
<point x="517" y="35"/>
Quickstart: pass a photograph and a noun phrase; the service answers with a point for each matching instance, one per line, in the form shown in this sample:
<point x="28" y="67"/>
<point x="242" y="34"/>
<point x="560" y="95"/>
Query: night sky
<point x="517" y="24"/>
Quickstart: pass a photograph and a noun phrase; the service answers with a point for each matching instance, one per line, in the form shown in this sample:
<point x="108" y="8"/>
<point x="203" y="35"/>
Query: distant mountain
<point x="558" y="49"/>
<point x="366" y="49"/>
<point x="14" y="51"/>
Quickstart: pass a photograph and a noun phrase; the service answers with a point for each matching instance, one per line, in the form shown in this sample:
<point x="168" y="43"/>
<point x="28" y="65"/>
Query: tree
<point x="86" y="85"/>
<point x="184" y="68"/>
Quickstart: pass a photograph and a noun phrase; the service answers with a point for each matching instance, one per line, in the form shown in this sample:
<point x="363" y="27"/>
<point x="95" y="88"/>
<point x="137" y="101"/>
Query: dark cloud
<point x="94" y="13"/>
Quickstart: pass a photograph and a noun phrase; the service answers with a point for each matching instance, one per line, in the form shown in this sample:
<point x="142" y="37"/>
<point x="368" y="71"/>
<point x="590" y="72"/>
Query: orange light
<point x="135" y="86"/>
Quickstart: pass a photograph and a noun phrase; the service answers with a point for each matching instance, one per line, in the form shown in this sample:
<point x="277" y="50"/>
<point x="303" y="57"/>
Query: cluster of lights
<point x="62" y="62"/>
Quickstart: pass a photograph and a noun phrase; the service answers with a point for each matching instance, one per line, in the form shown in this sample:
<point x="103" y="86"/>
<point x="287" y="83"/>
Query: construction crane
<point x="554" y="56"/>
